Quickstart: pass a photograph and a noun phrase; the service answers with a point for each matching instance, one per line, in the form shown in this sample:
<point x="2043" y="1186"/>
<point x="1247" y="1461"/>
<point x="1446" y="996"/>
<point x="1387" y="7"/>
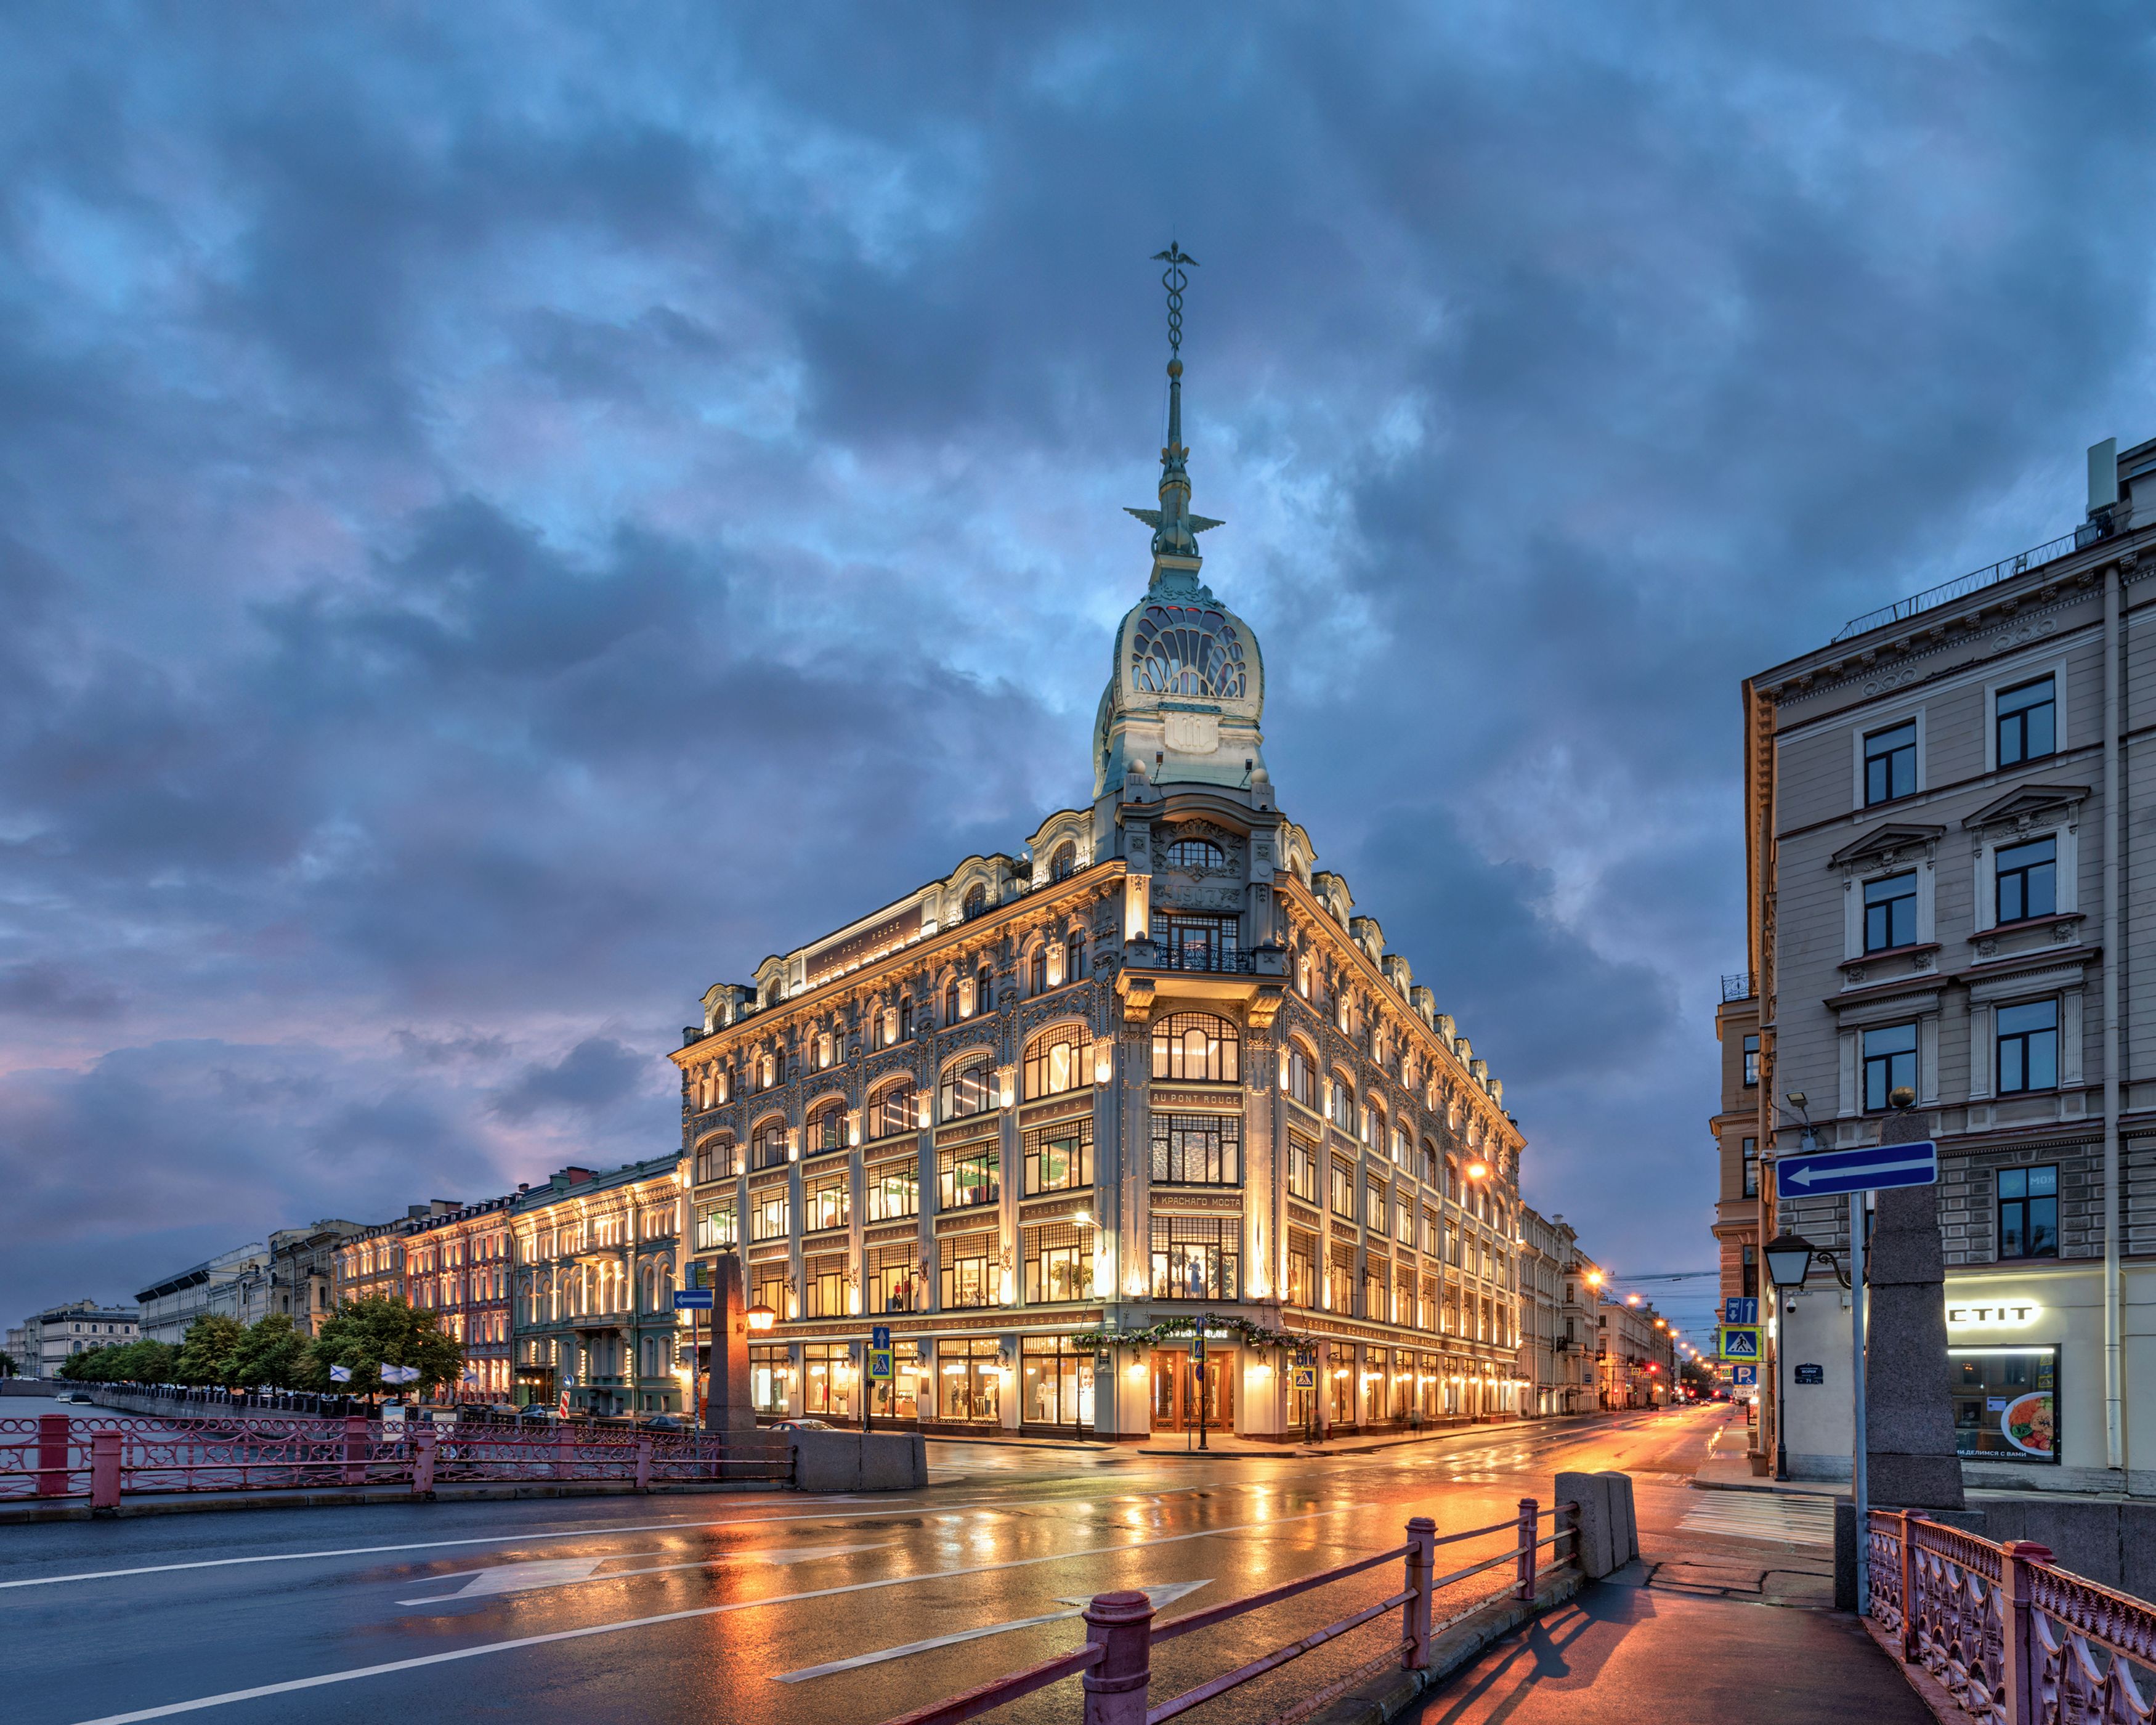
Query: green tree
<point x="87" y="1367"/>
<point x="365" y="1335"/>
<point x="140" y="1362"/>
<point x="10" y="1367"/>
<point x="206" y="1355"/>
<point x="273" y="1355"/>
<point x="1698" y="1379"/>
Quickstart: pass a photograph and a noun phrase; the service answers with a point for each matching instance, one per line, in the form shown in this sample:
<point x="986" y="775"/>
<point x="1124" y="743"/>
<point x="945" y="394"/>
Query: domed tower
<point x="1187" y="690"/>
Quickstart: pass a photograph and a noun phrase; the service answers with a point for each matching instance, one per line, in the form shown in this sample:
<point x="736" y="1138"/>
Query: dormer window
<point x="1064" y="864"/>
<point x="976" y="902"/>
<point x="1196" y="854"/>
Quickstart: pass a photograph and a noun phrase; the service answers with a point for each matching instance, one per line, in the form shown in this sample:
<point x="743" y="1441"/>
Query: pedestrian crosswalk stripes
<point x="1793" y="1519"/>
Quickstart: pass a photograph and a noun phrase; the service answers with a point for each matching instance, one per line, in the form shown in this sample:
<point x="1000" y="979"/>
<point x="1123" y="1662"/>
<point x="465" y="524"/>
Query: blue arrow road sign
<point x="880" y="1336"/>
<point x="1740" y="1309"/>
<point x="1809" y="1175"/>
<point x="692" y="1299"/>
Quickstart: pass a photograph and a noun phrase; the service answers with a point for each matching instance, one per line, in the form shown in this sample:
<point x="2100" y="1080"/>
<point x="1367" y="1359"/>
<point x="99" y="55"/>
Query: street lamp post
<point x="1788" y="1258"/>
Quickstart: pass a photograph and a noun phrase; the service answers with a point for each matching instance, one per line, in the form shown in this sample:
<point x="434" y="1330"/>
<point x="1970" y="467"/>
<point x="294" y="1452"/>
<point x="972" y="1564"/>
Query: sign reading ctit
<point x="2003" y="1314"/>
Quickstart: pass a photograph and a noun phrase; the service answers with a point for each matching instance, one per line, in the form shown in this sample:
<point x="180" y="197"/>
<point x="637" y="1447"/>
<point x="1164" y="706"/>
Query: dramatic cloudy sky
<point x="509" y="516"/>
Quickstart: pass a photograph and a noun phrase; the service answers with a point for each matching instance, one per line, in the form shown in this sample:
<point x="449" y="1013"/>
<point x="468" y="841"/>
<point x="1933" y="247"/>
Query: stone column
<point x="726" y="1404"/>
<point x="1909" y="1436"/>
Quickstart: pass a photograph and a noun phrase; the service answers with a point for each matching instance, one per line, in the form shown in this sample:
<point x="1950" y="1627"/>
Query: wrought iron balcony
<point x="1737" y="986"/>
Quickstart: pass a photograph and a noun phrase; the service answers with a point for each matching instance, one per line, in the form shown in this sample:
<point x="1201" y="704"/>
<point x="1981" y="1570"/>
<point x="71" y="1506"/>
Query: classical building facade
<point x="1547" y="1249"/>
<point x="234" y="1284"/>
<point x="303" y="1271"/>
<point x="1042" y="1115"/>
<point x="458" y="1265"/>
<point x="1942" y="872"/>
<point x="47" y="1338"/>
<point x="595" y="1264"/>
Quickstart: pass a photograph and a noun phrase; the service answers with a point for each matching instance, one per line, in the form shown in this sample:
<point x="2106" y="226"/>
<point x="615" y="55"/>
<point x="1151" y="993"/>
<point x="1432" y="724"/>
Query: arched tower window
<point x="977" y="901"/>
<point x="969" y="1087"/>
<point x="891" y="1111"/>
<point x="1064" y="864"/>
<point x="1196" y="854"/>
<point x="1197" y="1047"/>
<point x="1059" y="1060"/>
<point x="1188" y="649"/>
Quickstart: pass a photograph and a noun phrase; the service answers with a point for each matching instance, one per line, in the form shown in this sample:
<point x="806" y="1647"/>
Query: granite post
<point x="1909" y="1434"/>
<point x="726" y="1404"/>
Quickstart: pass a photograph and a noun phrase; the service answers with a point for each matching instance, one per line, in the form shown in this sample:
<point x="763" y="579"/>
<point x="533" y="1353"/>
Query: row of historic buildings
<point x="1941" y="888"/>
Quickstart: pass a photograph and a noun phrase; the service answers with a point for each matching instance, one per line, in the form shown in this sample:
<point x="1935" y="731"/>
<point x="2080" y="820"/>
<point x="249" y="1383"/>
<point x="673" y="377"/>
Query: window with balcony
<point x="969" y="1176"/>
<point x="1890" y="763"/>
<point x="1196" y="1257"/>
<point x="1059" y="1060"/>
<point x="1190" y="942"/>
<point x="969" y="1087"/>
<point x="1890" y="912"/>
<point x="894" y="1192"/>
<point x="1890" y="1063"/>
<point x="2028" y="1043"/>
<point x="976" y="904"/>
<point x="2025" y="724"/>
<point x="1197" y="1149"/>
<point x="2028" y="1212"/>
<point x="1060" y="1157"/>
<point x="2028" y="879"/>
<point x="1196" y="1047"/>
<point x="1064" y="864"/>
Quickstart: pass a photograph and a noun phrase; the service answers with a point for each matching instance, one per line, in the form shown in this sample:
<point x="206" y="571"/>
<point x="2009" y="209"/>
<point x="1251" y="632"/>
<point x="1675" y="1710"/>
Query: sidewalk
<point x="1629" y="1653"/>
<point x="1227" y="1443"/>
<point x="1728" y="1468"/>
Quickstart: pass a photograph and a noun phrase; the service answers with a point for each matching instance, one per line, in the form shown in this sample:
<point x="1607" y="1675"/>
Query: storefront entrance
<point x="1055" y="1385"/>
<point x="1175" y="1392"/>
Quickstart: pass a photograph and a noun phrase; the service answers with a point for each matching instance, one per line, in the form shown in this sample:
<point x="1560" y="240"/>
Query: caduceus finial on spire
<point x="1175" y="529"/>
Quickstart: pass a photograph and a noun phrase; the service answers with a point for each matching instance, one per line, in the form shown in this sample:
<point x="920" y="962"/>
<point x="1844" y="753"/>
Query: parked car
<point x="665" y="1422"/>
<point x="804" y="1424"/>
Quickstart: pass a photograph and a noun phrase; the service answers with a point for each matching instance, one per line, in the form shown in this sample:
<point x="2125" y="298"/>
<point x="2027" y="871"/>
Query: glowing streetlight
<point x="761" y="1316"/>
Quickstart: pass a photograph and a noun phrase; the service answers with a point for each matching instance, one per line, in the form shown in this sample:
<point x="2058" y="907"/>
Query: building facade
<point x="1637" y="1356"/>
<point x="1042" y="1116"/>
<point x="1577" y="1343"/>
<point x="458" y="1265"/>
<point x="1943" y="878"/>
<point x="596" y="1262"/>
<point x="234" y="1284"/>
<point x="303" y="1271"/>
<point x="1547" y="1248"/>
<point x="49" y="1338"/>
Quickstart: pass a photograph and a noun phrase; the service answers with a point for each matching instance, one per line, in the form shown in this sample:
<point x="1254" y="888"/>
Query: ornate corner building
<point x="1049" y="1117"/>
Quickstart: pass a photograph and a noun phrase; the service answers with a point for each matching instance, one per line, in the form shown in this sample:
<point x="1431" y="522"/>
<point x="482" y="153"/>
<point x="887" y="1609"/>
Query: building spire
<point x="1175" y="529"/>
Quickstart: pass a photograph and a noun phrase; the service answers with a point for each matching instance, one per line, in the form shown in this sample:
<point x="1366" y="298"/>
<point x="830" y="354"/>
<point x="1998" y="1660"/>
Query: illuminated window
<point x="1196" y="1046"/>
<point x="1187" y="649"/>
<point x="1058" y="1061"/>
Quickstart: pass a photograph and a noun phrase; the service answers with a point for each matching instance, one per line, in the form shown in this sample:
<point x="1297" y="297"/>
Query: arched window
<point x="1073" y="957"/>
<point x="1341" y="1106"/>
<point x="969" y="1087"/>
<point x="827" y="1129"/>
<point x="1059" y="1060"/>
<point x="767" y="1147"/>
<point x="1064" y="864"/>
<point x="1196" y="854"/>
<point x="1197" y="1047"/>
<point x="892" y="1111"/>
<point x="1452" y="1179"/>
<point x="1301" y="1076"/>
<point x="977" y="901"/>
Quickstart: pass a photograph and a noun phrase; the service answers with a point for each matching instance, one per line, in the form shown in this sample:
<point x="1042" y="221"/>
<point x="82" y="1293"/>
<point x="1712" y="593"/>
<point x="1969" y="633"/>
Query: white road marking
<point x="1796" y="1519"/>
<point x="568" y="1572"/>
<point x="1166" y="1594"/>
<point x="595" y="1531"/>
<point x="424" y="1660"/>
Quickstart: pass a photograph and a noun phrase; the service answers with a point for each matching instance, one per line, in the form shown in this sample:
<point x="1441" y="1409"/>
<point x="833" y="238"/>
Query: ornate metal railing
<point x="1737" y="986"/>
<point x="104" y="1457"/>
<point x="1116" y="1661"/>
<point x="2013" y="1639"/>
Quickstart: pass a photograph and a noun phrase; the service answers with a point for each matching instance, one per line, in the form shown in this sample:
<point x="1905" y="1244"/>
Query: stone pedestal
<point x="726" y="1404"/>
<point x="1909" y="1436"/>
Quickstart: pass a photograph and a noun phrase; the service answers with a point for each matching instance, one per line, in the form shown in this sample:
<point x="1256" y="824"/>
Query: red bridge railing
<point x="1115" y="1666"/>
<point x="106" y="1457"/>
<point x="2009" y="1636"/>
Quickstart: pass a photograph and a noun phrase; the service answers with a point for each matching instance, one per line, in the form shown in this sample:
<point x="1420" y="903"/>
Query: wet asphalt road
<point x="731" y="1607"/>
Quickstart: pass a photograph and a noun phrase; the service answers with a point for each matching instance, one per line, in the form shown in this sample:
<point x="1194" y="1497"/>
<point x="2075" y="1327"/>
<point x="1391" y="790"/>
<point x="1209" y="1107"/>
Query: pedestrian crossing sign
<point x="879" y="1365"/>
<point x="1306" y="1377"/>
<point x="1740" y="1341"/>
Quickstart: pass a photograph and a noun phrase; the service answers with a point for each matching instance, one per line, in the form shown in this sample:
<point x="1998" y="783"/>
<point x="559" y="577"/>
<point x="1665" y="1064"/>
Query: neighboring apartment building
<point x="1578" y="1341"/>
<point x="1637" y="1356"/>
<point x="49" y="1338"/>
<point x="1737" y="1134"/>
<point x="370" y="1264"/>
<point x="303" y="1271"/>
<point x="17" y="1349"/>
<point x="1940" y="873"/>
<point x="234" y="1284"/>
<point x="1039" y="1114"/>
<point x="595" y="1264"/>
<point x="1547" y="1249"/>
<point x="457" y="1264"/>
